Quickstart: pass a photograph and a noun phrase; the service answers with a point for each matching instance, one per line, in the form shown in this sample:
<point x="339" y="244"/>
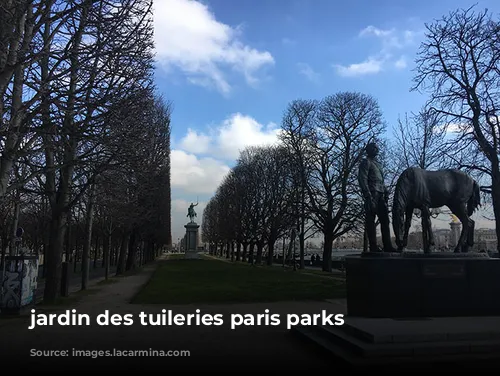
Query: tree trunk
<point x="270" y="251"/>
<point x="327" y="252"/>
<point x="365" y="241"/>
<point x="88" y="240"/>
<point x="120" y="264"/>
<point x="244" y="253"/>
<point x="96" y="250"/>
<point x="15" y="223"/>
<point x="495" y="196"/>
<point x="132" y="252"/>
<point x="77" y="246"/>
<point x="260" y="247"/>
<point x="302" y="248"/>
<point x="54" y="255"/>
<point x="238" y="251"/>
<point x="251" y="252"/>
<point x="106" y="246"/>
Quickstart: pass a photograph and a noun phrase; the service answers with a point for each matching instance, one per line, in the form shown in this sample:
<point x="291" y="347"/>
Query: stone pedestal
<point x="434" y="285"/>
<point x="191" y="240"/>
<point x="451" y="343"/>
<point x="409" y="311"/>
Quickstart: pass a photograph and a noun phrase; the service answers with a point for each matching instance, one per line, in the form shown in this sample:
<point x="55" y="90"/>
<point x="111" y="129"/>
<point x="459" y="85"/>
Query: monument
<point x="376" y="196"/>
<point x="414" y="308"/>
<point x="191" y="238"/>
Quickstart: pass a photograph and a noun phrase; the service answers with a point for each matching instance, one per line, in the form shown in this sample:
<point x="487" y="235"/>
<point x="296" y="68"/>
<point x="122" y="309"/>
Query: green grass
<point x="322" y="273"/>
<point x="176" y="256"/>
<point x="211" y="281"/>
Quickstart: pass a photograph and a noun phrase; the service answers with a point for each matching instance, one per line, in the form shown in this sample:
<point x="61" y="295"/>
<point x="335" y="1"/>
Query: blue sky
<point x="230" y="67"/>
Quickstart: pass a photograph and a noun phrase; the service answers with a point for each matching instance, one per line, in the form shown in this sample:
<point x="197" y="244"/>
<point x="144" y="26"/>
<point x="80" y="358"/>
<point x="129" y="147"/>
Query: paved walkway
<point x="219" y="348"/>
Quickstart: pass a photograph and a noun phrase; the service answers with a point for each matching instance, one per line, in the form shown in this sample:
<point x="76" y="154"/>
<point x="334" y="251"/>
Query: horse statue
<point x="422" y="189"/>
<point x="191" y="213"/>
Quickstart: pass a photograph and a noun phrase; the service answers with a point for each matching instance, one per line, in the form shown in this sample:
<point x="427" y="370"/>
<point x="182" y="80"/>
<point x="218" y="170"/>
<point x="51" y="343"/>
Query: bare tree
<point x="298" y="123"/>
<point x="459" y="65"/>
<point x="419" y="140"/>
<point x="346" y="121"/>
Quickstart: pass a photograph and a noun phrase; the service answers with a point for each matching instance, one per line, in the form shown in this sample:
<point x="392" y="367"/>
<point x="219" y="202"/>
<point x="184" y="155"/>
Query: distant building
<point x="348" y="242"/>
<point x="442" y="238"/>
<point x="485" y="239"/>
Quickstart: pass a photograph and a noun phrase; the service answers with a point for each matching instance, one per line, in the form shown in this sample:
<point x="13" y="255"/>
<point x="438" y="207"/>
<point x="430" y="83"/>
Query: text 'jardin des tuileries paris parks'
<point x="169" y="318"/>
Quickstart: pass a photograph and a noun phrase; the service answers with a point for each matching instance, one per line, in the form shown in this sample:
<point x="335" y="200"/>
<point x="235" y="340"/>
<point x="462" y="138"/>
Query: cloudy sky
<point x="230" y="68"/>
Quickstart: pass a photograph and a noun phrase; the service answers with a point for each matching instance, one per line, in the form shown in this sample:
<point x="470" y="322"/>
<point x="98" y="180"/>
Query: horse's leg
<point x="430" y="235"/>
<point x="408" y="218"/>
<point x="470" y="237"/>
<point x="461" y="212"/>
<point x="425" y="240"/>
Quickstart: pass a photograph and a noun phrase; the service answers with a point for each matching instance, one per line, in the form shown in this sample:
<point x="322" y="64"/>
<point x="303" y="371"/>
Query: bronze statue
<point x="191" y="213"/>
<point x="421" y="189"/>
<point x="376" y="196"/>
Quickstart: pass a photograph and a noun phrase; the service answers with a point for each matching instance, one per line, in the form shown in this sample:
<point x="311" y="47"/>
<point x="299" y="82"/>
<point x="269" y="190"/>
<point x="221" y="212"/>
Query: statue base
<point x="444" y="343"/>
<point x="191" y="240"/>
<point x="435" y="254"/>
<point x="423" y="285"/>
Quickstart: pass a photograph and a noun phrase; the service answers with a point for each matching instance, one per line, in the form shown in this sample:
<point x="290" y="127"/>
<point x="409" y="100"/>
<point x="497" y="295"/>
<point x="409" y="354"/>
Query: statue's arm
<point x="364" y="168"/>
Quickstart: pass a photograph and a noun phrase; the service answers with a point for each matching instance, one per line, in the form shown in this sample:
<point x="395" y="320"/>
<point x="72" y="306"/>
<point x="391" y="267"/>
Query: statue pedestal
<point x="416" y="311"/>
<point x="191" y="243"/>
<point x="419" y="285"/>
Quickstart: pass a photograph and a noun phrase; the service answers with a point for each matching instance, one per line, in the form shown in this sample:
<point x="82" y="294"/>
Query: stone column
<point x="191" y="243"/>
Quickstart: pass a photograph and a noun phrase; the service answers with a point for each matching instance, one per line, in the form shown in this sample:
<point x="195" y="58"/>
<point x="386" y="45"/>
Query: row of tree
<point x="307" y="184"/>
<point x="85" y="139"/>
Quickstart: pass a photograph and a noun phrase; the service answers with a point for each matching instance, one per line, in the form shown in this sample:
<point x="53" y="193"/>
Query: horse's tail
<point x="474" y="200"/>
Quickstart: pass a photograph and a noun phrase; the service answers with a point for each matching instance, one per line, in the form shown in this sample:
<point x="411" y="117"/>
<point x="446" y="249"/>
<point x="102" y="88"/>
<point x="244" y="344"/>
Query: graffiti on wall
<point x="11" y="286"/>
<point x="19" y="282"/>
<point x="30" y="277"/>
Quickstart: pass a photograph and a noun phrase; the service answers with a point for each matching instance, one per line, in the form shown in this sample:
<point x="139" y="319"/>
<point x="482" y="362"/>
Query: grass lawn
<point x="211" y="281"/>
<point x="176" y="256"/>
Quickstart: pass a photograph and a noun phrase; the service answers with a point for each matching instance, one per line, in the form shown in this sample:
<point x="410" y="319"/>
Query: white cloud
<point x="240" y="131"/>
<point x="392" y="38"/>
<point x="189" y="38"/>
<point x="391" y="41"/>
<point x="194" y="142"/>
<point x="226" y="140"/>
<point x="288" y="42"/>
<point x="370" y="66"/>
<point x="457" y="127"/>
<point x="309" y="72"/>
<point x="401" y="63"/>
<point x="372" y="30"/>
<point x="196" y="175"/>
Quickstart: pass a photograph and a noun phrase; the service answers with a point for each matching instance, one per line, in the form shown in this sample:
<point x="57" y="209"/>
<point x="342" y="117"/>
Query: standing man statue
<point x="376" y="196"/>
<point x="191" y="213"/>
